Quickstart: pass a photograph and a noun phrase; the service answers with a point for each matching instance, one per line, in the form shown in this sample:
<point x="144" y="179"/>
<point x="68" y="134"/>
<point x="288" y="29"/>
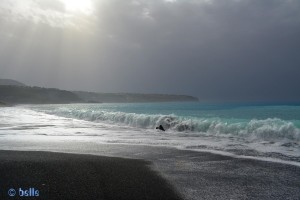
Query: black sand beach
<point x="72" y="176"/>
<point x="194" y="175"/>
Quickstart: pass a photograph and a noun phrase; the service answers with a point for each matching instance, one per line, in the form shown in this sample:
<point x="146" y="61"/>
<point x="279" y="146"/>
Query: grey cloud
<point x="218" y="50"/>
<point x="55" y="5"/>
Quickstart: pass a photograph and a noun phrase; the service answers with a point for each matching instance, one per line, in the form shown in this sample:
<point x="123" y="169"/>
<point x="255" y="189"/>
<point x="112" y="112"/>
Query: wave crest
<point x="267" y="129"/>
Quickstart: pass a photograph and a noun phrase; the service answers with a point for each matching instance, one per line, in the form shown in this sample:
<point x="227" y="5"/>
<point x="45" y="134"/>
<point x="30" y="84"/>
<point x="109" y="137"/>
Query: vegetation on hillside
<point x="36" y="95"/>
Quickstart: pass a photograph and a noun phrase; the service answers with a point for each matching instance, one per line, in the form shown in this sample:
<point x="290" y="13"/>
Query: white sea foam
<point x="270" y="129"/>
<point x="272" y="138"/>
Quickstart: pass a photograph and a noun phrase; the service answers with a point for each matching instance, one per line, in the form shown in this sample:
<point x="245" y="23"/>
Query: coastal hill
<point x="11" y="82"/>
<point x="14" y="92"/>
<point x="93" y="97"/>
<point x="35" y="95"/>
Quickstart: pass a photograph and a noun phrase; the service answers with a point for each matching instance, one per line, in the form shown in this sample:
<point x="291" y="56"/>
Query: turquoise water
<point x="267" y="122"/>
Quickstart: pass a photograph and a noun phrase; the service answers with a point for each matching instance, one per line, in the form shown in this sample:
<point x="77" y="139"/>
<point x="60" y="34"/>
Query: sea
<point x="262" y="131"/>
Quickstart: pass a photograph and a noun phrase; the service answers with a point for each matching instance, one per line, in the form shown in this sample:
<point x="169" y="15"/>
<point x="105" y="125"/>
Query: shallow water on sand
<point x="253" y="131"/>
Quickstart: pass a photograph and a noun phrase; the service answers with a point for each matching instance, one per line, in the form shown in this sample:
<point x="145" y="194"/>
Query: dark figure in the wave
<point x="160" y="127"/>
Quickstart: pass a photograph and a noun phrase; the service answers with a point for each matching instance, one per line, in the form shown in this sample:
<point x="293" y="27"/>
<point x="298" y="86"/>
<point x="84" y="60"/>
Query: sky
<point x="217" y="50"/>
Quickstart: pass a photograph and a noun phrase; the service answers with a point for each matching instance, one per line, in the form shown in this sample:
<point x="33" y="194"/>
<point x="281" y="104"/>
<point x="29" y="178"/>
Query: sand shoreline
<point x="74" y="176"/>
<point x="194" y="175"/>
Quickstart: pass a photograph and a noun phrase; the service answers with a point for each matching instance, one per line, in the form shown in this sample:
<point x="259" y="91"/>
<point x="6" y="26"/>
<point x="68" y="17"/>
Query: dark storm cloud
<point x="217" y="50"/>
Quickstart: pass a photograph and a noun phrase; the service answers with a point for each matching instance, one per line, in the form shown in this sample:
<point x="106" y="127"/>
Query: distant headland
<point x="14" y="92"/>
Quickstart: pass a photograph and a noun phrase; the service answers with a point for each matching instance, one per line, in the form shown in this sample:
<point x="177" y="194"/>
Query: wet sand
<point x="73" y="176"/>
<point x="194" y="175"/>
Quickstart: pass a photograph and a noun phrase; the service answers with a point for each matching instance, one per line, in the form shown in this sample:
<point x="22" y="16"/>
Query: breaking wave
<point x="268" y="129"/>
